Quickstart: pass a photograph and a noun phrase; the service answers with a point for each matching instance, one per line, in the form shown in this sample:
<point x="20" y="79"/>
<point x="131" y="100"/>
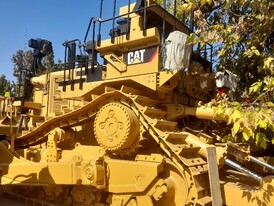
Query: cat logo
<point x="140" y="56"/>
<point x="135" y="57"/>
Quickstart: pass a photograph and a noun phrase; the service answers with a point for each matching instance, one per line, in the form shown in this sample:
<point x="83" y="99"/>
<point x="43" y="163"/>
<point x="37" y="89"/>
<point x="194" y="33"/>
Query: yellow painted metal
<point x="177" y="111"/>
<point x="173" y="188"/>
<point x="238" y="192"/>
<point x="129" y="43"/>
<point x="88" y="172"/>
<point x="116" y="127"/>
<point x="130" y="178"/>
<point x="136" y="69"/>
<point x="169" y="79"/>
<point x="126" y="134"/>
<point x="38" y="82"/>
<point x="32" y="105"/>
<point x="121" y="43"/>
<point x="118" y="64"/>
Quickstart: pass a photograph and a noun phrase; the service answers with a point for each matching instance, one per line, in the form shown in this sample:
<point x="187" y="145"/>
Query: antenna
<point x="26" y="41"/>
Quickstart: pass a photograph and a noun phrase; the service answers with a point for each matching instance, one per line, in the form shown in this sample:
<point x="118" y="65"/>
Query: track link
<point x="164" y="132"/>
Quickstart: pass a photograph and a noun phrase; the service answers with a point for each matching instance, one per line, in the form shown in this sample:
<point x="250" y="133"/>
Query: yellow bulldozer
<point x="126" y="130"/>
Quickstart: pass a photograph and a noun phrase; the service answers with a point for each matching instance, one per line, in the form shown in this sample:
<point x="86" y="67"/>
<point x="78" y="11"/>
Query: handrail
<point x="144" y="10"/>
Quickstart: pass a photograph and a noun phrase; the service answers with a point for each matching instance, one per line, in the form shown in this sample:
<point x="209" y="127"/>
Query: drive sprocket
<point x="116" y="128"/>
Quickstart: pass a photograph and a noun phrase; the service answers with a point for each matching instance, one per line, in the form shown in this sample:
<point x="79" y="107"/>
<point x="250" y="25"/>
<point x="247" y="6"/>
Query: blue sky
<point x="54" y="20"/>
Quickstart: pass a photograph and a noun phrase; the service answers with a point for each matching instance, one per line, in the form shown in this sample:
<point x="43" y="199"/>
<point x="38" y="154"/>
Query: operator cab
<point x="135" y="45"/>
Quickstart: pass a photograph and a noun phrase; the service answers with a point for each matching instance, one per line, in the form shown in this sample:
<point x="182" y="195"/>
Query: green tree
<point x="50" y="64"/>
<point x="241" y="31"/>
<point x="22" y="62"/>
<point x="5" y="85"/>
<point x="59" y="66"/>
<point x="242" y="34"/>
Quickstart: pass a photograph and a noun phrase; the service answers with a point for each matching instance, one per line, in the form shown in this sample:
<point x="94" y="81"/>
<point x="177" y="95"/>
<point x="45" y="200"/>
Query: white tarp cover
<point x="229" y="80"/>
<point x="177" y="51"/>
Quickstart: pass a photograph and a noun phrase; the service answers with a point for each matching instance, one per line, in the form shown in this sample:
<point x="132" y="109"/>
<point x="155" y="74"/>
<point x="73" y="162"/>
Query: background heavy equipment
<point x="126" y="131"/>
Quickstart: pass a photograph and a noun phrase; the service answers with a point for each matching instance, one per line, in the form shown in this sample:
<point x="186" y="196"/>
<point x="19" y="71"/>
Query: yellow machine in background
<point x="127" y="132"/>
